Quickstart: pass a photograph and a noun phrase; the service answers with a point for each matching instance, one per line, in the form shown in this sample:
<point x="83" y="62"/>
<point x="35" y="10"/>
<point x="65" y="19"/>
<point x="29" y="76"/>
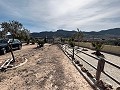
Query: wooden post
<point x="100" y="68"/>
<point x="73" y="54"/>
<point x="10" y="46"/>
<point x="65" y="47"/>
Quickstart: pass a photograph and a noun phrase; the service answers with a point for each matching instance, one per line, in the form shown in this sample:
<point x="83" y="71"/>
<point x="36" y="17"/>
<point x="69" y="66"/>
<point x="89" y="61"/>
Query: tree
<point x="12" y="26"/>
<point x="71" y="42"/>
<point x="78" y="36"/>
<point x="40" y="43"/>
<point x="98" y="46"/>
<point x="1" y="34"/>
<point x="26" y="35"/>
<point x="16" y="29"/>
<point x="62" y="40"/>
<point x="45" y="39"/>
<point x="32" y="40"/>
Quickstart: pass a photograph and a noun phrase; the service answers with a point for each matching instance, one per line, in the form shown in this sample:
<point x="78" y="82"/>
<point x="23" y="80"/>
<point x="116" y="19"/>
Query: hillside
<point x="115" y="31"/>
<point x="58" y="33"/>
<point x="64" y="33"/>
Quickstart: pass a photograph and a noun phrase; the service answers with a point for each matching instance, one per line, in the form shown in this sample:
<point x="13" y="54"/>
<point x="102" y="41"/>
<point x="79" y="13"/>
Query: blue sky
<point x="50" y="15"/>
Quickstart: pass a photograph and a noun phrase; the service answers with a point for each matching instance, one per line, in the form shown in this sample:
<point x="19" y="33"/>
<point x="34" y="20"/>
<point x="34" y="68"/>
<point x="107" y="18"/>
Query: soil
<point x="47" y="68"/>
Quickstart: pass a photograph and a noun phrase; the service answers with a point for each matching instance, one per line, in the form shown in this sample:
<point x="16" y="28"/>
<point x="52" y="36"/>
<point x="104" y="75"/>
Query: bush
<point x="71" y="42"/>
<point x="33" y="41"/>
<point x="97" y="46"/>
<point x="40" y="43"/>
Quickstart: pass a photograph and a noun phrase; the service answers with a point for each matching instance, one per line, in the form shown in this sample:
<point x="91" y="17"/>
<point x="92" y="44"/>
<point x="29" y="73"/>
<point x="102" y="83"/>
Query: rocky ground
<point x="47" y="68"/>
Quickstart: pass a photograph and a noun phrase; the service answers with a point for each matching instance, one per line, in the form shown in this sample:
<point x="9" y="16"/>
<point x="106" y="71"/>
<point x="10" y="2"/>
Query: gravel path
<point x="47" y="69"/>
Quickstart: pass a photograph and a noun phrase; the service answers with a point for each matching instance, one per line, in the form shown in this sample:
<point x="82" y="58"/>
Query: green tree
<point x="12" y="26"/>
<point x="32" y="40"/>
<point x="97" y="46"/>
<point x="40" y="43"/>
<point x="16" y="29"/>
<point x="71" y="42"/>
<point x="26" y="35"/>
<point x="1" y="34"/>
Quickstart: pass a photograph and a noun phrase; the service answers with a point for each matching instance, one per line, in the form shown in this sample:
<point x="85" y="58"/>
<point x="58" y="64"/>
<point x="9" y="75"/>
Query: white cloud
<point x="68" y="14"/>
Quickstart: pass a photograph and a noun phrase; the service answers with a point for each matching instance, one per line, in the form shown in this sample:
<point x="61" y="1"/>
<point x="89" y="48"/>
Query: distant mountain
<point x="115" y="31"/>
<point x="64" y="33"/>
<point x="58" y="33"/>
<point x="110" y="33"/>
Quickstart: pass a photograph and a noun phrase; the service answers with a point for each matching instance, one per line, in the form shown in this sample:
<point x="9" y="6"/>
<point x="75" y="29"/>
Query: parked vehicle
<point x="4" y="45"/>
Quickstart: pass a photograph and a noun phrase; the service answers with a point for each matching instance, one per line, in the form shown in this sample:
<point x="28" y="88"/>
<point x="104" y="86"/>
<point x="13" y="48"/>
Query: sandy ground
<point x="47" y="69"/>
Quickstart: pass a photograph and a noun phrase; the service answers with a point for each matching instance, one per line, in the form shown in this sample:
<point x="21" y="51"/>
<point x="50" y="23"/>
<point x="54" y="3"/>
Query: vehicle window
<point x="3" y="41"/>
<point x="17" y="41"/>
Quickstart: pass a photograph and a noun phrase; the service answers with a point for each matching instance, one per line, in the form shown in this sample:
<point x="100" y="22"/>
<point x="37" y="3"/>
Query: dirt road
<point x="47" y="69"/>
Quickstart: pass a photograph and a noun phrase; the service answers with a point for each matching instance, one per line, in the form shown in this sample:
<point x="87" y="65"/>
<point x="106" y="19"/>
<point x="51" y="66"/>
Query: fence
<point x="100" y="65"/>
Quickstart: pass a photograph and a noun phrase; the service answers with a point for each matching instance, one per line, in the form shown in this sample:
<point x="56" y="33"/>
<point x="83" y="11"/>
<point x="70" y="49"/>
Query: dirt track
<point x="47" y="69"/>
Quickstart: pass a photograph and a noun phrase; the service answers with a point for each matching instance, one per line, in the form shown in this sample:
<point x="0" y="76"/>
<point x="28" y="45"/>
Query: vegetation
<point x="110" y="36"/>
<point x="98" y="46"/>
<point x="40" y="43"/>
<point x="32" y="40"/>
<point x="62" y="40"/>
<point x="45" y="40"/>
<point x="16" y="29"/>
<point x="13" y="27"/>
<point x="71" y="42"/>
<point x="78" y="36"/>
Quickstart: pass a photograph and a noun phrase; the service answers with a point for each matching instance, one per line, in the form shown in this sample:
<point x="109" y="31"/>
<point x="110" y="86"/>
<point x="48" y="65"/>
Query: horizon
<point x="75" y="30"/>
<point x="49" y="15"/>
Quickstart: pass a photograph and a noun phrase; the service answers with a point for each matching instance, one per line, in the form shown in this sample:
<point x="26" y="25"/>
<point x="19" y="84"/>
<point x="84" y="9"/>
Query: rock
<point x="80" y="65"/>
<point x="89" y="74"/>
<point x="77" y="62"/>
<point x="83" y="69"/>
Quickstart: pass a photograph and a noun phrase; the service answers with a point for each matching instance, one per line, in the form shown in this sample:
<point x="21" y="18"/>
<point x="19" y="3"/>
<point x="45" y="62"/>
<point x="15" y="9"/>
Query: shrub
<point x="98" y="46"/>
<point x="71" y="42"/>
<point x="40" y="43"/>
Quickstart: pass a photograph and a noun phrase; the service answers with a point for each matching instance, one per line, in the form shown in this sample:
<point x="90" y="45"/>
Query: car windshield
<point x="2" y="41"/>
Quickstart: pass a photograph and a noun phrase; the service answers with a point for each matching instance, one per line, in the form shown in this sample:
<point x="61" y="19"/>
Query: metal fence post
<point x="100" y="68"/>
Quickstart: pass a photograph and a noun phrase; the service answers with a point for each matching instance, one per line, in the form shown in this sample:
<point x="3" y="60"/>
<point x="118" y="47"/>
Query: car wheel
<point x="19" y="47"/>
<point x="4" y="51"/>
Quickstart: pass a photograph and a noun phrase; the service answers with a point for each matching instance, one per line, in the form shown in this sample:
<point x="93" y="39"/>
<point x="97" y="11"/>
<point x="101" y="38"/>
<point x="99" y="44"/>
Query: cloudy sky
<point x="50" y="15"/>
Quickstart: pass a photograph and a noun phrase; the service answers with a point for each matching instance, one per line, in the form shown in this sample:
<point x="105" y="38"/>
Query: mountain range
<point x="115" y="32"/>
